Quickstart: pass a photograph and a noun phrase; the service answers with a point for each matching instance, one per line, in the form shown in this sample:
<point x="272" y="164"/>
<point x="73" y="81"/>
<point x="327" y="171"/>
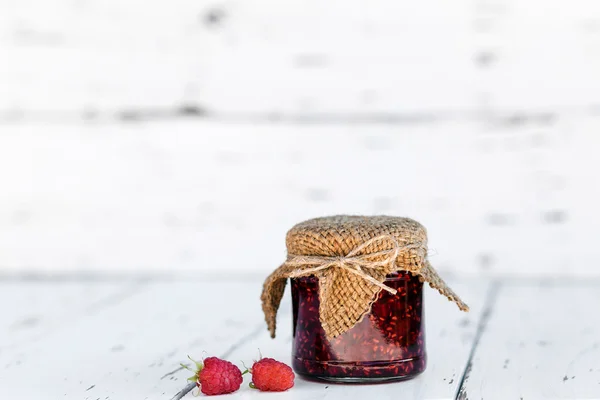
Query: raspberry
<point x="270" y="375"/>
<point x="216" y="376"/>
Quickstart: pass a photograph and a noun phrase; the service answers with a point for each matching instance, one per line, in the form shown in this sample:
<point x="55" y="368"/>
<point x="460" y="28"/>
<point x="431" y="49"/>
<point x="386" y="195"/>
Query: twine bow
<point x="352" y="262"/>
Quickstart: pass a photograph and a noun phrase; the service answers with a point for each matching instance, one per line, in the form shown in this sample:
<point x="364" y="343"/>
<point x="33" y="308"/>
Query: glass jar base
<point x="330" y="379"/>
<point x="357" y="372"/>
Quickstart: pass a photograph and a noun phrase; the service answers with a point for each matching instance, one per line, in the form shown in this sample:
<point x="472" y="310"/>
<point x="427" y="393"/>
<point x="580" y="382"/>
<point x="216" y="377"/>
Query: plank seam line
<point x="131" y="116"/>
<point x="489" y="303"/>
<point x="592" y="279"/>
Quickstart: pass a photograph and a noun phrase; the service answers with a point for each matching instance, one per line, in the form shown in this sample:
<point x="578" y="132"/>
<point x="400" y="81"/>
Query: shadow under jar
<point x="387" y="345"/>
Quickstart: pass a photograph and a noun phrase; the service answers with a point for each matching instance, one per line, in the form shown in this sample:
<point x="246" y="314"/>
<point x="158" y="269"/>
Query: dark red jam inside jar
<point x="388" y="344"/>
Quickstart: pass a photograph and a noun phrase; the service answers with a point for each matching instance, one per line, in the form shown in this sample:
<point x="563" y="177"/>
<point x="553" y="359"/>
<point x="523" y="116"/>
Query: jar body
<point x="388" y="344"/>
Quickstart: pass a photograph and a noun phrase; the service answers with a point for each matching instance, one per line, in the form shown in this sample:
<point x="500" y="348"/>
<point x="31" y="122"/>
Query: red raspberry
<point x="216" y="376"/>
<point x="270" y="375"/>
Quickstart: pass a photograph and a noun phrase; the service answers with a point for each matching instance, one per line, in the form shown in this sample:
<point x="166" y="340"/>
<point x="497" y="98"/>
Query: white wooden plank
<point x="131" y="350"/>
<point x="449" y="338"/>
<point x="540" y="342"/>
<point x="176" y="195"/>
<point x="346" y="57"/>
<point x="31" y="310"/>
<point x="532" y="60"/>
<point x="339" y="57"/>
<point x="96" y="55"/>
<point x="301" y="57"/>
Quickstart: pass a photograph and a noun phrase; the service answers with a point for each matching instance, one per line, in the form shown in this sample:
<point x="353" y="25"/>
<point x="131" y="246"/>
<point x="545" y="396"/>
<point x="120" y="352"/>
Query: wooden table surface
<point x="124" y="339"/>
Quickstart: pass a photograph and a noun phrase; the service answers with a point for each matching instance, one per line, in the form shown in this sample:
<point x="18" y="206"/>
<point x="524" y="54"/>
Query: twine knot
<point x="354" y="262"/>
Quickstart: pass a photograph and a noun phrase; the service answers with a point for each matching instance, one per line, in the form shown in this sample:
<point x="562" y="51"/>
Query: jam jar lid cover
<point x="351" y="257"/>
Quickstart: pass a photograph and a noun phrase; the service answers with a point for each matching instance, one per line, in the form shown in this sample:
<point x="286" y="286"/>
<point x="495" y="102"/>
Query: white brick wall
<point x="479" y="119"/>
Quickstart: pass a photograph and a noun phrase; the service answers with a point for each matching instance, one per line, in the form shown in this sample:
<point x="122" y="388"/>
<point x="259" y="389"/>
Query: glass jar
<point x="387" y="345"/>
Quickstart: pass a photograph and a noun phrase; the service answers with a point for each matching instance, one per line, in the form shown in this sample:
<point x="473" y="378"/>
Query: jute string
<point x="352" y="262"/>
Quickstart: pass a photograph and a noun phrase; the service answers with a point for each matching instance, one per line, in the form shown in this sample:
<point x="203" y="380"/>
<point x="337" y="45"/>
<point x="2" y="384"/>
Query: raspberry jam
<point x="388" y="344"/>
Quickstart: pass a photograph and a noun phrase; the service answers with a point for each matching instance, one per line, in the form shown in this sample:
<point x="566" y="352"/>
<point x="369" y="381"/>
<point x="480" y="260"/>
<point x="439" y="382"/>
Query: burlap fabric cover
<point x="351" y="256"/>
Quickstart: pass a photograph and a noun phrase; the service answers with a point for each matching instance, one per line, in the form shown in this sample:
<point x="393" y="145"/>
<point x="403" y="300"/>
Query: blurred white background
<point x="188" y="136"/>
